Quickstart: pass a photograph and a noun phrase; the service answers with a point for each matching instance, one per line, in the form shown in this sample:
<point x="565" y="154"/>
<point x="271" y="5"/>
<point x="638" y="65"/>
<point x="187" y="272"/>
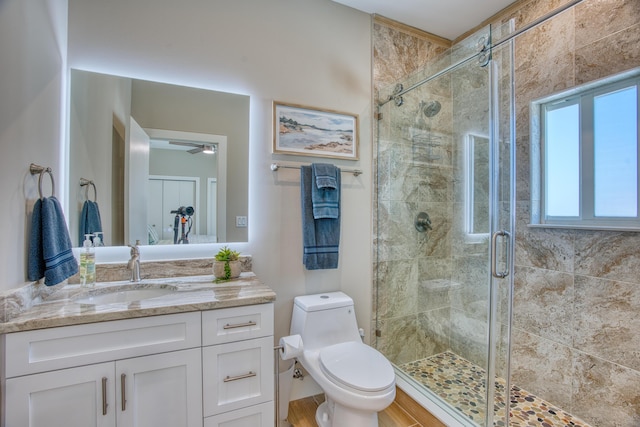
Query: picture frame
<point x="307" y="131"/>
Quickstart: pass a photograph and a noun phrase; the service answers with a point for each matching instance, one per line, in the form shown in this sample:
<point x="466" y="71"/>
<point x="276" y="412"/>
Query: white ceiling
<point x="444" y="18"/>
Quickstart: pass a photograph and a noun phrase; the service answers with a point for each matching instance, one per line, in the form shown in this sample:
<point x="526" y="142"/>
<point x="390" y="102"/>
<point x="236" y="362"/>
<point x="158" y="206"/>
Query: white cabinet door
<point x="160" y="390"/>
<point x="75" y="397"/>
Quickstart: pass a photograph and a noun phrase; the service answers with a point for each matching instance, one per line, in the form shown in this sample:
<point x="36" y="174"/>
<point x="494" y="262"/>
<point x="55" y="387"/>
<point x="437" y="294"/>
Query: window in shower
<point x="586" y="157"/>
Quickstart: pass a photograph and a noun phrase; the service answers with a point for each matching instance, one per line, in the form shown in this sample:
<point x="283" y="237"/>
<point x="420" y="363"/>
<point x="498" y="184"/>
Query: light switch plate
<point x="241" y="221"/>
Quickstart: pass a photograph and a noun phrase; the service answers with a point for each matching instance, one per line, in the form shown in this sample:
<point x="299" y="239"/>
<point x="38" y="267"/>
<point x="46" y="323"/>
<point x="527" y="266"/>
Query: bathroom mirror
<point x="166" y="164"/>
<point x="477" y="186"/>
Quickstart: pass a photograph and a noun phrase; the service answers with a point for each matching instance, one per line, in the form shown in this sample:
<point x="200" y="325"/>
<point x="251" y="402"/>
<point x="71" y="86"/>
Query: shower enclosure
<point x="444" y="229"/>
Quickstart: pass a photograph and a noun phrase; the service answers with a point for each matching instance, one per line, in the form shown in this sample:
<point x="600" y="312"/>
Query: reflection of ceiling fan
<point x="197" y="148"/>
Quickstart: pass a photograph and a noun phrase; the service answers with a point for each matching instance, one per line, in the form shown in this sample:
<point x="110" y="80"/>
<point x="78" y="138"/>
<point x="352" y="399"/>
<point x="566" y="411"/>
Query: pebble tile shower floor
<point x="462" y="385"/>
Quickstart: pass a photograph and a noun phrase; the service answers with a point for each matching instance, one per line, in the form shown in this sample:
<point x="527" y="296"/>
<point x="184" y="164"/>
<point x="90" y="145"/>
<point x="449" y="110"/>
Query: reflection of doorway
<point x="116" y="237"/>
<point x="212" y="196"/>
<point x="166" y="194"/>
<point x="160" y="140"/>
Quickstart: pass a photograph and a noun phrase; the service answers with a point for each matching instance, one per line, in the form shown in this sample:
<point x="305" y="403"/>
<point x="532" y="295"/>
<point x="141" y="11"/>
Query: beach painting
<point x="307" y="131"/>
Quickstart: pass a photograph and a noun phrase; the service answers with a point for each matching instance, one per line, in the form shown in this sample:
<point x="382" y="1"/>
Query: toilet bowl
<point x="358" y="381"/>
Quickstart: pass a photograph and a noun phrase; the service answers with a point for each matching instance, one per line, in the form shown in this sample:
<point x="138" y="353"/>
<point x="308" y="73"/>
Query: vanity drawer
<point x="253" y="416"/>
<point x="236" y="375"/>
<point x="68" y="346"/>
<point x="237" y="323"/>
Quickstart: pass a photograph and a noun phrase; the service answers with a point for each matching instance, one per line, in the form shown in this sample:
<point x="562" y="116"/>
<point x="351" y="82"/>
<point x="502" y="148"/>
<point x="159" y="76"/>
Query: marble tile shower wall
<point x="412" y="177"/>
<point x="428" y="296"/>
<point x="576" y="329"/>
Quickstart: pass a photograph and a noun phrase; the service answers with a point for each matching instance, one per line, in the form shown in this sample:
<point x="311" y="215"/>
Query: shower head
<point x="431" y="108"/>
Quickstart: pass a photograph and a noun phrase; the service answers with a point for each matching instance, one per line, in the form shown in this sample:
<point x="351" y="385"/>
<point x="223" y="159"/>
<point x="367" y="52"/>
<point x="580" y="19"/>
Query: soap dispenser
<point x="97" y="240"/>
<point x="87" y="263"/>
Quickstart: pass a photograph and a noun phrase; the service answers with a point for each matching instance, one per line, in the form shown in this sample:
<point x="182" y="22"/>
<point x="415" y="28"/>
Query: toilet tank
<point x="324" y="319"/>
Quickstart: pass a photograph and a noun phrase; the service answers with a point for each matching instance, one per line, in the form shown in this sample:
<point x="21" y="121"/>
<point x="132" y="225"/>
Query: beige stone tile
<point x="398" y="54"/>
<point x="433" y="294"/>
<point x="397" y="289"/>
<point x="599" y="19"/>
<point x="434" y="330"/>
<point x="398" y="339"/>
<point x="543" y="303"/>
<point x="541" y="44"/>
<point x="607" y="254"/>
<point x="533" y="10"/>
<point x="470" y="292"/>
<point x="607" y="322"/>
<point x="469" y="337"/>
<point x="542" y="367"/>
<point x="610" y="55"/>
<point x="523" y="169"/>
<point x="547" y="248"/>
<point x="605" y="394"/>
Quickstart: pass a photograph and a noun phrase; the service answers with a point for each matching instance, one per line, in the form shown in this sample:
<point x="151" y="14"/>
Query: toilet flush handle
<point x="361" y="331"/>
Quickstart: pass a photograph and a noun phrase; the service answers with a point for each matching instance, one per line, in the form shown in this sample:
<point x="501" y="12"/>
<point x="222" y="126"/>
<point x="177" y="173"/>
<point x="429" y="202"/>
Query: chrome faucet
<point x="134" y="262"/>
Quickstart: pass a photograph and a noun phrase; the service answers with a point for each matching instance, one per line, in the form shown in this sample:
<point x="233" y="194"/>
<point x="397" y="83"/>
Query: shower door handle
<point x="494" y="248"/>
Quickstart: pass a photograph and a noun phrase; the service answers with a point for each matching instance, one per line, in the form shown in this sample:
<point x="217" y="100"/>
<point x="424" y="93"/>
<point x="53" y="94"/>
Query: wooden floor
<point x="403" y="412"/>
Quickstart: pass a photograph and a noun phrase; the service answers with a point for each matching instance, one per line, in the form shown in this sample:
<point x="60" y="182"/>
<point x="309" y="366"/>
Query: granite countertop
<point x="194" y="293"/>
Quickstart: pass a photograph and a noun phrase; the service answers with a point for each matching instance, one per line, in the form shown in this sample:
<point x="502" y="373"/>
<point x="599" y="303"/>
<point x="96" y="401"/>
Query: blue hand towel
<point x="320" y="237"/>
<point x="325" y="175"/>
<point x="325" y="194"/>
<point x="50" y="254"/>
<point x="90" y="222"/>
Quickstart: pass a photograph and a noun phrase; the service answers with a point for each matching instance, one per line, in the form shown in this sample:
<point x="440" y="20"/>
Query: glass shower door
<point x="443" y="231"/>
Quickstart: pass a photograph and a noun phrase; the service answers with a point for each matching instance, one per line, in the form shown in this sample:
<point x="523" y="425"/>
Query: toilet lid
<point x="358" y="366"/>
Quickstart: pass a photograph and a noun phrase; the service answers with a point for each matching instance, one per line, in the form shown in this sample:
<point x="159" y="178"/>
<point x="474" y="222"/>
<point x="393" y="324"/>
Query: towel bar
<point x="37" y="169"/>
<point x="276" y="166"/>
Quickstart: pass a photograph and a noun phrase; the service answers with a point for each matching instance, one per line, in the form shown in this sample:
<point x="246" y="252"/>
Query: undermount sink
<point x="123" y="296"/>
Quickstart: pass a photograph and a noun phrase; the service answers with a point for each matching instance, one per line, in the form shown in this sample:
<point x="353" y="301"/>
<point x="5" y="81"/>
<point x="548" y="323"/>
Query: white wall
<point x="311" y="52"/>
<point x="33" y="52"/>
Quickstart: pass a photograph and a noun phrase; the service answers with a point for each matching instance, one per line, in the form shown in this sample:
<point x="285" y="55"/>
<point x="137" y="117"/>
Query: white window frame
<point x="583" y="96"/>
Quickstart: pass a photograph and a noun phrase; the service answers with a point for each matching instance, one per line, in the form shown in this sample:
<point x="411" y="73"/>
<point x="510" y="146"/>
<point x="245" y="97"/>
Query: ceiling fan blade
<point x="186" y="144"/>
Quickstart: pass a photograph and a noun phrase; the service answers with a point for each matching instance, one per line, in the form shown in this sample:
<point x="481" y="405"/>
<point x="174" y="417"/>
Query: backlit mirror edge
<point x="121" y="254"/>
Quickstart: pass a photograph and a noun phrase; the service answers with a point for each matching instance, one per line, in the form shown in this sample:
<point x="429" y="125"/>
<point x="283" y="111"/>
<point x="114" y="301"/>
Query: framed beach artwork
<point x="307" y="131"/>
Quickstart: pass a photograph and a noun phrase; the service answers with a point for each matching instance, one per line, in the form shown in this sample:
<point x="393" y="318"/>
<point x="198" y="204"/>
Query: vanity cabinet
<point x="237" y="366"/>
<point x="95" y="383"/>
<point x="211" y="368"/>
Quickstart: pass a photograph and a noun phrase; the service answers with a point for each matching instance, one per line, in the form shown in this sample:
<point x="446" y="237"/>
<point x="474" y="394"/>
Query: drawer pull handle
<point x="123" y="391"/>
<point x="104" y="396"/>
<point x="239" y="377"/>
<point x="240" y="325"/>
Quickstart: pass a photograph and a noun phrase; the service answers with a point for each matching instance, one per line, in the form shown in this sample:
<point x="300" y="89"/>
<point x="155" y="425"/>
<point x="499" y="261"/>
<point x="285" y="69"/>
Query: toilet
<point x="358" y="381"/>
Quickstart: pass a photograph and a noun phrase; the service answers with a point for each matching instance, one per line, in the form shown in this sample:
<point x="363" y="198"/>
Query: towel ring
<point x="37" y="169"/>
<point x="85" y="182"/>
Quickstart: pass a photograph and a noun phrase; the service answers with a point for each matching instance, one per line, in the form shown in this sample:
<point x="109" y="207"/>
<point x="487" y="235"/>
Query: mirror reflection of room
<point x="162" y="158"/>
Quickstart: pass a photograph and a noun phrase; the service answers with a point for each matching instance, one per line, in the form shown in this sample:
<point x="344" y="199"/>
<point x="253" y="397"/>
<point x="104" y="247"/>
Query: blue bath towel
<point x="50" y="254"/>
<point x="320" y="237"/>
<point x="90" y="222"/>
<point x="325" y="194"/>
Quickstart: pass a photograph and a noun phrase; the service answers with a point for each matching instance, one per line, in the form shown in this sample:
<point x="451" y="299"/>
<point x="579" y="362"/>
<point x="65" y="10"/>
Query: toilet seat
<point x="358" y="366"/>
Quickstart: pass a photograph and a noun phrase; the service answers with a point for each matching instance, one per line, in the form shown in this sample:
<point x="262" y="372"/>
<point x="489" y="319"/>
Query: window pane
<point x="616" y="153"/>
<point x="562" y="161"/>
